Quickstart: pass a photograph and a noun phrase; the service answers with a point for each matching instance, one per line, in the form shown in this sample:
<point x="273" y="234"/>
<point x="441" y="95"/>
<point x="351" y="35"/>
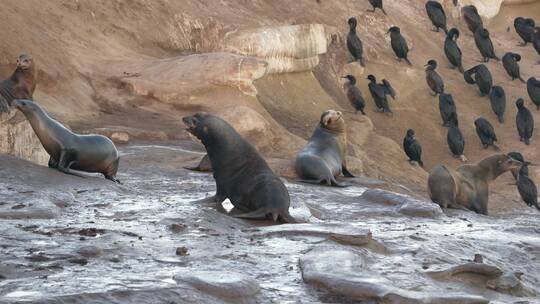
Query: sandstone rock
<point x="474" y="268"/>
<point x="248" y="122"/>
<point x="120" y="137"/>
<point x="504" y="283"/>
<point x="292" y="48"/>
<point x="18" y="139"/>
<point x="227" y="285"/>
<point x="420" y="209"/>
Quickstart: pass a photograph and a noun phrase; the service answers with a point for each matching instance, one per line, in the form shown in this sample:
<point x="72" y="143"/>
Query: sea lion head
<point x="206" y="127"/>
<point x="506" y="162"/>
<point x="333" y="120"/>
<point x="24" y="105"/>
<point x="24" y="62"/>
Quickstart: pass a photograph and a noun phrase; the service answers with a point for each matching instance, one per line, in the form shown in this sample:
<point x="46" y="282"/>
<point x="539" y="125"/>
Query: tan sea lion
<point x="241" y="173"/>
<point x="467" y="187"/>
<point x="20" y="85"/>
<point x="69" y="151"/>
<point x="323" y="158"/>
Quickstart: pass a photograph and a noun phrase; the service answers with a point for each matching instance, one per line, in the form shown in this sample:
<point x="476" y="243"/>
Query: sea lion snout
<point x="22" y="104"/>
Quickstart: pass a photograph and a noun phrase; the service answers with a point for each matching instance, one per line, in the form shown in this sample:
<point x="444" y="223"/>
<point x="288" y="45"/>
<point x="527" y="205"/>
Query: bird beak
<point x="426" y="65"/>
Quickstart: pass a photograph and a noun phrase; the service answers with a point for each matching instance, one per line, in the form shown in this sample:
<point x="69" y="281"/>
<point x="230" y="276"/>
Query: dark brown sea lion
<point x="241" y="174"/>
<point x="323" y="158"/>
<point x="69" y="151"/>
<point x="204" y="165"/>
<point x="468" y="186"/>
<point x="20" y="85"/>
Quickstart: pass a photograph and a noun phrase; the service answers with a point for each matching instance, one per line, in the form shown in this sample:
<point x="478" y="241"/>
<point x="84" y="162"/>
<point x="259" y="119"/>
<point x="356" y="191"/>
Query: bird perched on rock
<point x="497" y="99"/>
<point x="524" y="122"/>
<point x="354" y="44"/>
<point x="433" y="78"/>
<point x="471" y="17"/>
<point x="399" y="44"/>
<point x="456" y="142"/>
<point x="412" y="148"/>
<point x="376" y="4"/>
<point x="354" y="95"/>
<point x="510" y="62"/>
<point x="452" y="50"/>
<point x="536" y="40"/>
<point x="527" y="188"/>
<point x="482" y="78"/>
<point x="533" y="88"/>
<point x="379" y="91"/>
<point x="484" y="44"/>
<point x="448" y="110"/>
<point x="525" y="29"/>
<point x="436" y="14"/>
<point x="485" y="132"/>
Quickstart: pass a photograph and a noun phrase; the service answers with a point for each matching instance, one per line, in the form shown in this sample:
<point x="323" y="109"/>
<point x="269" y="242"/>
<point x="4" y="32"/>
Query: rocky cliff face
<point x="18" y="139"/>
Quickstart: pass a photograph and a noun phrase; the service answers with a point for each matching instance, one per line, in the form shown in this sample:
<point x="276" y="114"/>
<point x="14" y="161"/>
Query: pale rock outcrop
<point x="18" y="139"/>
<point x="226" y="285"/>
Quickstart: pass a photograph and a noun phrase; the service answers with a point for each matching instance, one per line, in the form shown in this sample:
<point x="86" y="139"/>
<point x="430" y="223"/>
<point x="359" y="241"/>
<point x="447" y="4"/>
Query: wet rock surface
<point x="111" y="243"/>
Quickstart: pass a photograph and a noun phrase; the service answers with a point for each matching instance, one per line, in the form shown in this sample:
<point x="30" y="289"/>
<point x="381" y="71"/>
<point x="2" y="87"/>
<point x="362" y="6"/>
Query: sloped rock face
<point x="18" y="139"/>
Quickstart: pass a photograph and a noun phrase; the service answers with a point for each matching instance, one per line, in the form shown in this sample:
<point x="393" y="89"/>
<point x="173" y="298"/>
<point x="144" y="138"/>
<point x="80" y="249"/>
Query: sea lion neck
<point x="489" y="167"/>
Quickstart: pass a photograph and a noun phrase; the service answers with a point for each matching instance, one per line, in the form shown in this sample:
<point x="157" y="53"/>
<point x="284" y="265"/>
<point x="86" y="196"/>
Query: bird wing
<point x="388" y="89"/>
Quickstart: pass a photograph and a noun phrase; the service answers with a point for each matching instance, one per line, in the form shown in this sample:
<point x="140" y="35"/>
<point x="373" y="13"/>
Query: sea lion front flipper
<point x="208" y="200"/>
<point x="204" y="165"/>
<point x="346" y="172"/>
<point x="65" y="163"/>
<point x="255" y="215"/>
<point x="53" y="164"/>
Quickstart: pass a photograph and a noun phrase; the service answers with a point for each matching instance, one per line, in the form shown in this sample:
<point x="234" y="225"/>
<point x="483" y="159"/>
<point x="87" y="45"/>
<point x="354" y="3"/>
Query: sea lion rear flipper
<point x="346" y="172"/>
<point x="335" y="183"/>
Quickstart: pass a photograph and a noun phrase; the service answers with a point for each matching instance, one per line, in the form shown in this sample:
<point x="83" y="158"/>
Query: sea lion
<point x="468" y="186"/>
<point x="412" y="148"/>
<point x="433" y="79"/>
<point x="510" y="63"/>
<point x="448" y="110"/>
<point x="482" y="78"/>
<point x="452" y="50"/>
<point x="497" y="99"/>
<point x="456" y="142"/>
<point x="471" y="17"/>
<point x="376" y="4"/>
<point x="399" y="44"/>
<point x="379" y="91"/>
<point x="484" y="44"/>
<point x="354" y="44"/>
<point x="241" y="173"/>
<point x="533" y="89"/>
<point x="20" y="85"/>
<point x="354" y="95"/>
<point x="323" y="158"/>
<point x="436" y="14"/>
<point x="524" y="122"/>
<point x="204" y="165"/>
<point x="525" y="29"/>
<point x="69" y="151"/>
<point x="485" y="132"/>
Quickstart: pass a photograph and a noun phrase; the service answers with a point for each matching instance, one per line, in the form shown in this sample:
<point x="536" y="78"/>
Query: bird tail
<point x="362" y="62"/>
<point x="363" y="113"/>
<point x="408" y="61"/>
<point x="384" y="12"/>
<point x="421" y="163"/>
<point x="522" y="80"/>
<point x="500" y="118"/>
<point x="461" y="69"/>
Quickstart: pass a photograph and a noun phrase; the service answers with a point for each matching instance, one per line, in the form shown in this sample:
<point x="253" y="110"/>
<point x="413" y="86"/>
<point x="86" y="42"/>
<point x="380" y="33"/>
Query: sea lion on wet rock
<point x="69" y="151"/>
<point x="468" y="186"/>
<point x="20" y="85"/>
<point x="471" y="17"/>
<point x="436" y="14"/>
<point x="452" y="50"/>
<point x="241" y="173"/>
<point x="323" y="158"/>
<point x="510" y="63"/>
<point x="497" y="99"/>
<point x="524" y="122"/>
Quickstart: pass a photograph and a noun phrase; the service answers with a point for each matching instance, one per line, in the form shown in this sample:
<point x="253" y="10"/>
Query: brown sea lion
<point x="69" y="151"/>
<point x="323" y="158"/>
<point x="467" y="187"/>
<point x="20" y="85"/>
<point x="204" y="165"/>
<point x="241" y="173"/>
